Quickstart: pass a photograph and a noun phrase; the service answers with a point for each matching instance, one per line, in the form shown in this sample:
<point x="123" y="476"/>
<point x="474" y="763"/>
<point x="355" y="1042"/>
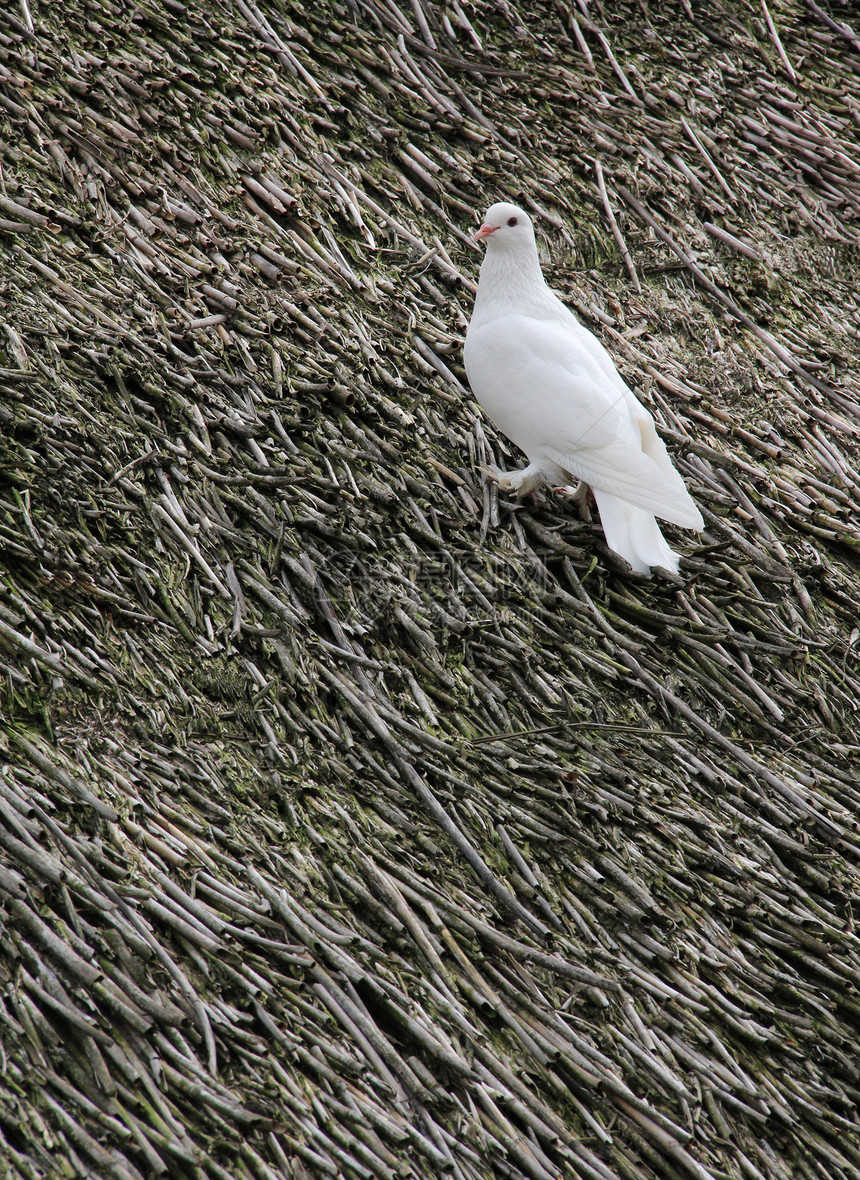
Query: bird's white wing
<point x="548" y="389"/>
<point x="632" y="476"/>
<point x="538" y="382"/>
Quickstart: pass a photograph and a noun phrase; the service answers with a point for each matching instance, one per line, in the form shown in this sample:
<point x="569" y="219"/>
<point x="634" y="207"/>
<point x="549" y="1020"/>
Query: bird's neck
<point x="511" y="279"/>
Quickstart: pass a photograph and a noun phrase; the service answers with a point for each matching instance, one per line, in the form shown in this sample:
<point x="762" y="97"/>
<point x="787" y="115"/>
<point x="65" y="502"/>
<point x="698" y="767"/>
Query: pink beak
<point x="484" y="232"/>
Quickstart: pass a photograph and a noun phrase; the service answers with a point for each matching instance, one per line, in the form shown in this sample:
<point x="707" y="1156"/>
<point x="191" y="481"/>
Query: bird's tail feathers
<point x="634" y="534"/>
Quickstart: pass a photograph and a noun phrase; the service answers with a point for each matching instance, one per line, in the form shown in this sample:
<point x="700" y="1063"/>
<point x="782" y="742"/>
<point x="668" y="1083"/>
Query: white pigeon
<point x="552" y="388"/>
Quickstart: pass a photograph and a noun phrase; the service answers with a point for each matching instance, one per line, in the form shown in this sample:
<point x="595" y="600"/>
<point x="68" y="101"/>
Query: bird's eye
<point x="512" y="221"/>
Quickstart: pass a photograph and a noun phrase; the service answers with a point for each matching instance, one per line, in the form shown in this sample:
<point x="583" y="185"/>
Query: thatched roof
<point x="356" y="820"/>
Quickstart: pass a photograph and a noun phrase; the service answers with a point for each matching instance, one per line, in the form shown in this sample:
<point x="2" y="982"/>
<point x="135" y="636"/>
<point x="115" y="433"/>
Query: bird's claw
<point x="582" y="497"/>
<point x="520" y="482"/>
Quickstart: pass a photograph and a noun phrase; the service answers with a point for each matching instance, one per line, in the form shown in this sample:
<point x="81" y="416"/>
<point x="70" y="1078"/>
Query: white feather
<point x="552" y="388"/>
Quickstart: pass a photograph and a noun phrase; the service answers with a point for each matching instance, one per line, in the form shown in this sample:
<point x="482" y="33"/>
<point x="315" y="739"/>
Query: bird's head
<point x="506" y="227"/>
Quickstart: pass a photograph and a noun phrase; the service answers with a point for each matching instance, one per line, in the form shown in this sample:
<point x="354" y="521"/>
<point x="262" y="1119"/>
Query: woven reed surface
<point x="356" y="820"/>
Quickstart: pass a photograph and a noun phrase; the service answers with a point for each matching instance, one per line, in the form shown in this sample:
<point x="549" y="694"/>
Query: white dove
<point x="552" y="388"/>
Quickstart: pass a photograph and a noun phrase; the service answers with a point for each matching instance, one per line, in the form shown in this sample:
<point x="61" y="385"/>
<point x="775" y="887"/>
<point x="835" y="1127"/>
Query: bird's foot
<point x="581" y="496"/>
<point x="520" y="482"/>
